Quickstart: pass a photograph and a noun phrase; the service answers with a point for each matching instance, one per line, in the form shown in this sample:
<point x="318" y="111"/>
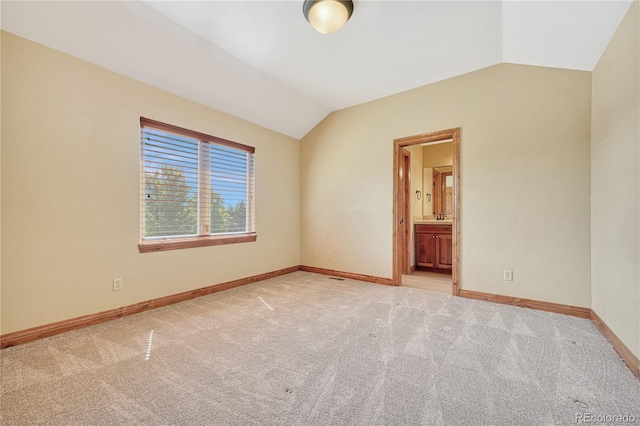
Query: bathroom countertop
<point x="433" y="222"/>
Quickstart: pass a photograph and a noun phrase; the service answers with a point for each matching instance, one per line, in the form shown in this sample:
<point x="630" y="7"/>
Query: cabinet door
<point x="445" y="251"/>
<point x="426" y="250"/>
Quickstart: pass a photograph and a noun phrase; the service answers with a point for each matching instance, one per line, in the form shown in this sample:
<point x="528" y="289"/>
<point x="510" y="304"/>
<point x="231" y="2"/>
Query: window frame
<point x="155" y="244"/>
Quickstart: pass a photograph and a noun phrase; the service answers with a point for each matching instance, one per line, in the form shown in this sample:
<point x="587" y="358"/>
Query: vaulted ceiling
<point x="261" y="61"/>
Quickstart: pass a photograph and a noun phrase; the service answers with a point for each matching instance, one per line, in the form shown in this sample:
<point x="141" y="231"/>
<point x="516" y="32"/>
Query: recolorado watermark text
<point x="588" y="418"/>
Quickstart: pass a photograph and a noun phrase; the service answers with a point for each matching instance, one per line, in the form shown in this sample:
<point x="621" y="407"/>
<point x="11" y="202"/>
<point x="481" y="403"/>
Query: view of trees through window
<point x="173" y="173"/>
<point x="181" y="218"/>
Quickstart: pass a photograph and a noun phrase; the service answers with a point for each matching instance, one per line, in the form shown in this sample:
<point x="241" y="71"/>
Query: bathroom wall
<point x="416" y="185"/>
<point x="427" y="184"/>
<point x="440" y="154"/>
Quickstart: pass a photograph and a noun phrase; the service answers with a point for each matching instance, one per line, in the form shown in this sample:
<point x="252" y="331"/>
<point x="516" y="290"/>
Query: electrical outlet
<point x="508" y="275"/>
<point x="117" y="284"/>
<point x="329" y="255"/>
<point x="314" y="253"/>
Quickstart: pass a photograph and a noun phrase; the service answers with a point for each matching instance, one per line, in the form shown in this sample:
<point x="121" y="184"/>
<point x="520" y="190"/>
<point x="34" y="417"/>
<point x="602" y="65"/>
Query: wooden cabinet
<point x="444" y="250"/>
<point x="425" y="249"/>
<point x="434" y="246"/>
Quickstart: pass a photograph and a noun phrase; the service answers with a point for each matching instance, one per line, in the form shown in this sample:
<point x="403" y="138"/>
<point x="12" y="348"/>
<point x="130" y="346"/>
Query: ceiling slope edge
<point x="231" y="86"/>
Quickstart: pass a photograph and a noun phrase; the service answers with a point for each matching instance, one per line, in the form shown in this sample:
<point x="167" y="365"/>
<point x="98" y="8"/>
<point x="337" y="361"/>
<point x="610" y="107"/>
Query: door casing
<point x="402" y="227"/>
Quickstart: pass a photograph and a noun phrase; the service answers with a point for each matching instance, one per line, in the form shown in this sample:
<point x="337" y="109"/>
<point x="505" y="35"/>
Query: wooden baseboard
<point x="413" y="268"/>
<point x="35" y="333"/>
<point x="625" y="353"/>
<point x="575" y="311"/>
<point x="350" y="275"/>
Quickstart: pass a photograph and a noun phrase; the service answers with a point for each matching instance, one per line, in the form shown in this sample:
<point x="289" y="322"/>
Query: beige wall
<point x="70" y="191"/>
<point x="416" y="185"/>
<point x="440" y="154"/>
<point x="525" y="153"/>
<point x="615" y="183"/>
<point x="1" y="34"/>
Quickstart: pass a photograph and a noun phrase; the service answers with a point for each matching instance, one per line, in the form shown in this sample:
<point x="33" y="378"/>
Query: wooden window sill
<point x="184" y="243"/>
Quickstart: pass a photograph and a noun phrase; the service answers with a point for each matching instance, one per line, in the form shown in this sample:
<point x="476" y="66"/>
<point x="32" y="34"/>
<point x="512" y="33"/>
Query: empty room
<point x="320" y="212"/>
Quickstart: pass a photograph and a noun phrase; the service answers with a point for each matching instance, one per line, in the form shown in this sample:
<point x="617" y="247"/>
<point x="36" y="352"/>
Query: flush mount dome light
<point x="327" y="16"/>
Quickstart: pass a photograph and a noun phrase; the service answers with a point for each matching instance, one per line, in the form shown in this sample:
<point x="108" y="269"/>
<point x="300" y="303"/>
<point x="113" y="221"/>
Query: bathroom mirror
<point x="437" y="178"/>
<point x="442" y="184"/>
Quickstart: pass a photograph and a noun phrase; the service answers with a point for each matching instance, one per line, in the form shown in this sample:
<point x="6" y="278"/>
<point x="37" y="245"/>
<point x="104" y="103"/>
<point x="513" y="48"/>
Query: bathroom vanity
<point x="434" y="244"/>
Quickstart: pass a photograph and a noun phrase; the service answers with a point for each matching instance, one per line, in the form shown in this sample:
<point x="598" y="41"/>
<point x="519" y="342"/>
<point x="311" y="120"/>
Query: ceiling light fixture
<point x="327" y="16"/>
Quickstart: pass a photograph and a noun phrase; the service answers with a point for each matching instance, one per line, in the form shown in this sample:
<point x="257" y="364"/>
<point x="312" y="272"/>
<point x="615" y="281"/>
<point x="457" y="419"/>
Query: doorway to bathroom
<point x="426" y="211"/>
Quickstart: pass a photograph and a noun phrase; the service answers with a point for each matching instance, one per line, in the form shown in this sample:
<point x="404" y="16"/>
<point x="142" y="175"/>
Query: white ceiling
<point x="261" y="61"/>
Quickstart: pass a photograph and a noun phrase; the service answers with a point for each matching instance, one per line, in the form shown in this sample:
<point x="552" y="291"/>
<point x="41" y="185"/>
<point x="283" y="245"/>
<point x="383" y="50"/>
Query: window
<point x="196" y="190"/>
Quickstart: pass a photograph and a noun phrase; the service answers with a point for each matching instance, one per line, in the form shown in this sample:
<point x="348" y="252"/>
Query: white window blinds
<point x="194" y="184"/>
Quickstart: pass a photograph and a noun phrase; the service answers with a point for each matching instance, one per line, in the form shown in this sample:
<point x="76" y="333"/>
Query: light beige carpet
<point x="303" y="349"/>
